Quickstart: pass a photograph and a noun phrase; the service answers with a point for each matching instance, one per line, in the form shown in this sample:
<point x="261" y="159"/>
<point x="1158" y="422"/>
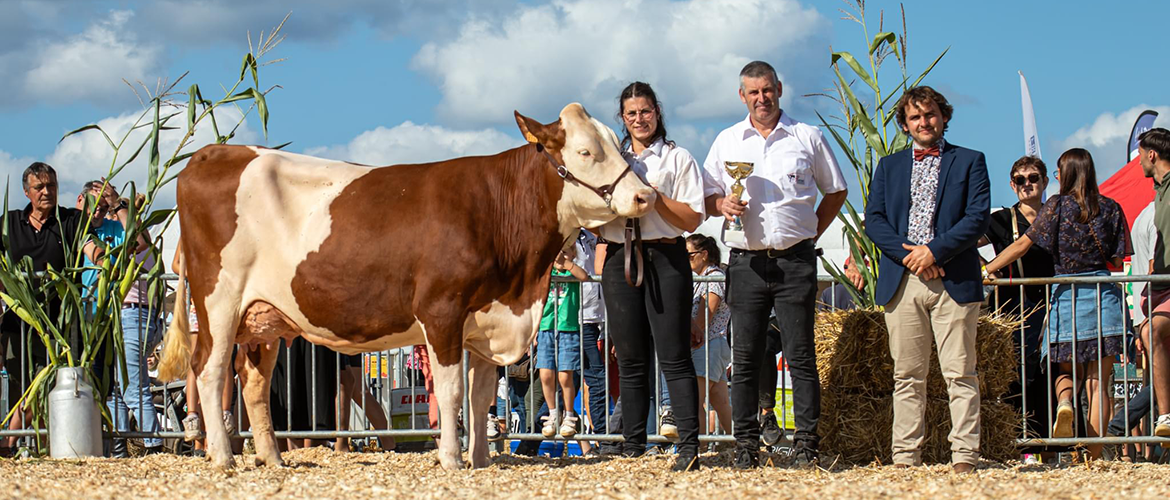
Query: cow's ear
<point x="533" y="130"/>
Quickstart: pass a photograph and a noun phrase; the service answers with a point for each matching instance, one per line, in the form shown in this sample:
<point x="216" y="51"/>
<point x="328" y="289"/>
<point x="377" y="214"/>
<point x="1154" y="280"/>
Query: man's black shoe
<point x="769" y="430"/>
<point x="746" y="458"/>
<point x="805" y="453"/>
<point x="688" y="460"/>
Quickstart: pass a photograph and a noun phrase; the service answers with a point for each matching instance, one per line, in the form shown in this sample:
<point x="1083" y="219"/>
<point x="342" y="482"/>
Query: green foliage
<point x="93" y="315"/>
<point x="863" y="133"/>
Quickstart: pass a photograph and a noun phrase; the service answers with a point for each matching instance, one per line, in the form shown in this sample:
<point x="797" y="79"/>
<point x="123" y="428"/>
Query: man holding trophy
<point x="763" y="174"/>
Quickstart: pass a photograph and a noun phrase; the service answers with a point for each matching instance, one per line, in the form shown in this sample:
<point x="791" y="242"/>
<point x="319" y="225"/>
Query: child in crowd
<point x="558" y="344"/>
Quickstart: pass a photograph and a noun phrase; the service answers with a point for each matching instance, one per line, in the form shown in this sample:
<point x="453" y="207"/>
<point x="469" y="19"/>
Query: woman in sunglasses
<point x="1029" y="179"/>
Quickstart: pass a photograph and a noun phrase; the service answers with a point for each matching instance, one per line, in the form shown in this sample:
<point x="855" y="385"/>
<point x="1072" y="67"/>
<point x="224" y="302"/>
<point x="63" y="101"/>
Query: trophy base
<point x="733" y="236"/>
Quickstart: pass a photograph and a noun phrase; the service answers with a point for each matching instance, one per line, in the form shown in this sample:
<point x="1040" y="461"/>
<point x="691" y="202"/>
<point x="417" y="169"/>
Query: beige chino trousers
<point x="922" y="310"/>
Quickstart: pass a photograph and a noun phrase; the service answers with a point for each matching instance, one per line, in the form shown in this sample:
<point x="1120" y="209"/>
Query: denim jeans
<point x="593" y="364"/>
<point x="140" y="335"/>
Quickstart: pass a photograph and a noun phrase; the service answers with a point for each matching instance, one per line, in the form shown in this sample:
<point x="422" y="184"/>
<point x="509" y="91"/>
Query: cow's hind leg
<point x="219" y="448"/>
<point x="256" y="382"/>
<point x="483" y="379"/>
<point x="448" y="373"/>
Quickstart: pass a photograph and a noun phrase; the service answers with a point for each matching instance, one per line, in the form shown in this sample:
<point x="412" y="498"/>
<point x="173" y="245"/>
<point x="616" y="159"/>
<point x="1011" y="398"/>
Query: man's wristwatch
<point x="122" y="205"/>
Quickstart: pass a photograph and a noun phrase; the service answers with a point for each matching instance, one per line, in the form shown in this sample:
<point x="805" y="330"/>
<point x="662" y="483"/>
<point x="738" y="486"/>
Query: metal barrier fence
<point x="391" y="384"/>
<point x="1113" y="400"/>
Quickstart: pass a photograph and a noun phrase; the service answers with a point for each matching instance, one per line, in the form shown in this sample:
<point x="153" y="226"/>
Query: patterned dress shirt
<point x="923" y="194"/>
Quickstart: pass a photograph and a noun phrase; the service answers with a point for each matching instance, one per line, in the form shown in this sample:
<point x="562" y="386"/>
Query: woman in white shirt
<point x="654" y="317"/>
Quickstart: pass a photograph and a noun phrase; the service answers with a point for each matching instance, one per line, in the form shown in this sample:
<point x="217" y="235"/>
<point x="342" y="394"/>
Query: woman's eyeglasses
<point x="1021" y="180"/>
<point x="633" y="114"/>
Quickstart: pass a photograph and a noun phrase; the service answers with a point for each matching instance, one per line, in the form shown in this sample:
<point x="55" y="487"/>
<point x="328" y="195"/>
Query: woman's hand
<point x="697" y="337"/>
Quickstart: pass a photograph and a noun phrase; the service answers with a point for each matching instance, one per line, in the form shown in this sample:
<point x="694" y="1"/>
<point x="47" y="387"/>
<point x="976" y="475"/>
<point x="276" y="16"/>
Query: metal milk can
<point x="74" y="419"/>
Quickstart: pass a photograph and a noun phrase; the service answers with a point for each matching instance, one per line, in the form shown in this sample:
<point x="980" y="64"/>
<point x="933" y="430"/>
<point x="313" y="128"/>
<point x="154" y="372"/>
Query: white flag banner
<point x="1031" y="138"/>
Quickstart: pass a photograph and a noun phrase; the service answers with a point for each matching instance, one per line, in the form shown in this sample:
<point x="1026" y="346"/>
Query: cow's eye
<point x="585" y="153"/>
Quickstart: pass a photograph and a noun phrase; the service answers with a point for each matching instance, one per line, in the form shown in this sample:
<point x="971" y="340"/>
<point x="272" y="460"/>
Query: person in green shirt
<point x="558" y="343"/>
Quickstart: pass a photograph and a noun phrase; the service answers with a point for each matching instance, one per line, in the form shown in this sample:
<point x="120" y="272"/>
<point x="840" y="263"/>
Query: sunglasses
<point x="1020" y="180"/>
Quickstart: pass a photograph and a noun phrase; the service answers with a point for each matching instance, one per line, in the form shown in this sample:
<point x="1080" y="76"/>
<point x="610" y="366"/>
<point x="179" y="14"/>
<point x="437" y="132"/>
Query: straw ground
<point x="322" y="473"/>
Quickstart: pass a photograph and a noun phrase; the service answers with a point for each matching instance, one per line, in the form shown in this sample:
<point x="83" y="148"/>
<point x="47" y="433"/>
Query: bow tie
<point x="919" y="154"/>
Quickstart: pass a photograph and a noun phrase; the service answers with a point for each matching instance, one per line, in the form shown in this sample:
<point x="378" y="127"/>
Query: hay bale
<point x="853" y="352"/>
<point x="857" y="427"/>
<point x="856" y="373"/>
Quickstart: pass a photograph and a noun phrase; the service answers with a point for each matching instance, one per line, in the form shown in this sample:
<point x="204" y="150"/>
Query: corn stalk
<point x="864" y="133"/>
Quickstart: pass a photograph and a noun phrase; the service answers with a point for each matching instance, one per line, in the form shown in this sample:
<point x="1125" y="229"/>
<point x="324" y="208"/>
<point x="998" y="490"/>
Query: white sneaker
<point x="569" y="426"/>
<point x="1064" y="421"/>
<point x="192" y="427"/>
<point x="493" y="428"/>
<point x="549" y="428"/>
<point x="1162" y="426"/>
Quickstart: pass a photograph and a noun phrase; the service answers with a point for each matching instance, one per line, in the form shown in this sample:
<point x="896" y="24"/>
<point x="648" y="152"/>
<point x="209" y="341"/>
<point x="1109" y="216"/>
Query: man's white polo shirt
<point x="781" y="193"/>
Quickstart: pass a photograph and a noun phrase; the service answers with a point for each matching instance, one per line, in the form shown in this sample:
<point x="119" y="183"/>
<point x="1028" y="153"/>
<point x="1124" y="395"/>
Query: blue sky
<point x="388" y="82"/>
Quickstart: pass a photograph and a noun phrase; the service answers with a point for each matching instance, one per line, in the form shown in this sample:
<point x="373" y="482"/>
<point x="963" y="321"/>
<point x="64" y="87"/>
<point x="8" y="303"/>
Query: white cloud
<point x="1105" y="138"/>
<point x="92" y="64"/>
<point x="411" y="143"/>
<point x="542" y="57"/>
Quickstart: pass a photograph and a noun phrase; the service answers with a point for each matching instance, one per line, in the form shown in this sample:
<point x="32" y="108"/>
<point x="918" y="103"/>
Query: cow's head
<point x="589" y="152"/>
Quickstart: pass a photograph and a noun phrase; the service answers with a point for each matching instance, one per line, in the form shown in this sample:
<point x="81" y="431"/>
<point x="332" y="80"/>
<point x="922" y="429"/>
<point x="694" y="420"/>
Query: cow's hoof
<point x="452" y="462"/>
<point x="272" y="460"/>
<point x="221" y="463"/>
<point x="480" y="462"/>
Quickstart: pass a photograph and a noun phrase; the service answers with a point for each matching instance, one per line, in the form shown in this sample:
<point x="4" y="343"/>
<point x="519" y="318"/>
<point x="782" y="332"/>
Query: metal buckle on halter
<point x="562" y="171"/>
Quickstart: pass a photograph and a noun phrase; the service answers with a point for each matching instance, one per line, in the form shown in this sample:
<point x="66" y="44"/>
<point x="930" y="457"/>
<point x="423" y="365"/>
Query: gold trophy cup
<point x="738" y="170"/>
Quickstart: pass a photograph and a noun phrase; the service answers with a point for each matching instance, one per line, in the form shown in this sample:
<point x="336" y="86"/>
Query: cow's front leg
<point x="483" y="390"/>
<point x="256" y="383"/>
<point x="448" y="373"/>
<point x="219" y="448"/>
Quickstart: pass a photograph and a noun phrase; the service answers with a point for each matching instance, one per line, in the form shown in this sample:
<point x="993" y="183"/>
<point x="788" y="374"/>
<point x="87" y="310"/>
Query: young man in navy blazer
<point x="927" y="208"/>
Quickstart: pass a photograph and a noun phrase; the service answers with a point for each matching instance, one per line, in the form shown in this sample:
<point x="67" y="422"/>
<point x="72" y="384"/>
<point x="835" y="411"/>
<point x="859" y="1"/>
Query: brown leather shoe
<point x="963" y="468"/>
<point x="901" y="466"/>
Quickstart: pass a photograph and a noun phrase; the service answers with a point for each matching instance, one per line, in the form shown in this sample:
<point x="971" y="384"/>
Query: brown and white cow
<point x="456" y="254"/>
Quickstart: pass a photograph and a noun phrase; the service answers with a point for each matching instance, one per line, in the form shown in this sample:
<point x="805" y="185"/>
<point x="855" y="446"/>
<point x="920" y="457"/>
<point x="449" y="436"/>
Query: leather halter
<point x="633" y="230"/>
<point x="605" y="192"/>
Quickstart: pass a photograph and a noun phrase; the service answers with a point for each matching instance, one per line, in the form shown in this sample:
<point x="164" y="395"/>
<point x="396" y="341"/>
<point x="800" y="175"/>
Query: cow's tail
<point x="176" y="358"/>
